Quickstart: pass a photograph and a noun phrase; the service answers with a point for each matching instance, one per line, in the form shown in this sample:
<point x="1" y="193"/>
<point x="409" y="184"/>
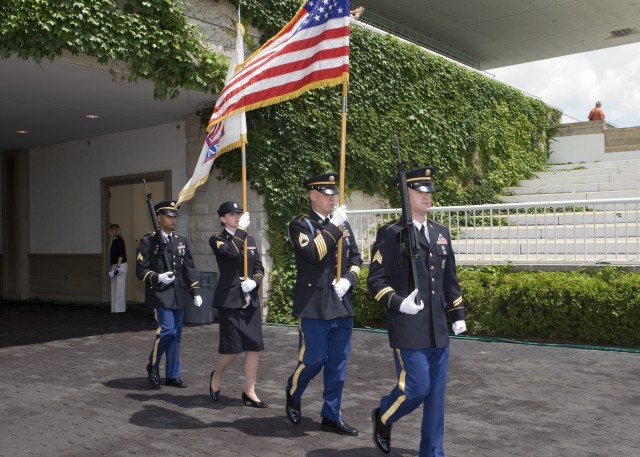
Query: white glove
<point x="458" y="327"/>
<point x="166" y="278"/>
<point x="339" y="215"/>
<point x="248" y="285"/>
<point x="197" y="300"/>
<point x="244" y="221"/>
<point x="408" y="305"/>
<point x="341" y="287"/>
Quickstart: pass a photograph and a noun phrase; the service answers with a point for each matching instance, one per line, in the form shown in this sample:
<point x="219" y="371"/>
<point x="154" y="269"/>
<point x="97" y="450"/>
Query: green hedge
<point x="588" y="307"/>
<point x="600" y="307"/>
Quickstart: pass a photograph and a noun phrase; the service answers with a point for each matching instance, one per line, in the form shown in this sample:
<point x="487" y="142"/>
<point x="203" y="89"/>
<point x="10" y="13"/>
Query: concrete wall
<point x="622" y="140"/>
<point x="217" y="22"/>
<point x="594" y="141"/>
<point x="65" y="183"/>
<point x="579" y="148"/>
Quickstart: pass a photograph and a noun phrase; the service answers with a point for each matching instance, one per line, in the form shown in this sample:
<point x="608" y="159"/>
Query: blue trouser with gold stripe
<point x="422" y="378"/>
<point x="168" y="335"/>
<point x="322" y="345"/>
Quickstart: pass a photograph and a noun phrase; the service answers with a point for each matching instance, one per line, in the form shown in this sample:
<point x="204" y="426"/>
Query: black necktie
<point x="168" y="239"/>
<point x="326" y="221"/>
<point x="424" y="232"/>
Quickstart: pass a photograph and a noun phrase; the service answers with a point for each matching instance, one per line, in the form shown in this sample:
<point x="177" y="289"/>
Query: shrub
<point x="584" y="307"/>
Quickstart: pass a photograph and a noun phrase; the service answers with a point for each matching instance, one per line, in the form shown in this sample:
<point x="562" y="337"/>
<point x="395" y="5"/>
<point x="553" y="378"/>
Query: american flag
<point x="311" y="51"/>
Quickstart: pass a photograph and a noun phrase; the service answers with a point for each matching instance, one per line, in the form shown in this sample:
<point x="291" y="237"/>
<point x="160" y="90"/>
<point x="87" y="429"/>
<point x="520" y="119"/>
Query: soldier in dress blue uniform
<point x="237" y="301"/>
<point x="322" y="302"/>
<point x="170" y="280"/>
<point x="417" y="329"/>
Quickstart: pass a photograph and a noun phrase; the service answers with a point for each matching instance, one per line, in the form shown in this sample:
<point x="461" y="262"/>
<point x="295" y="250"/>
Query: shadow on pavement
<point x="24" y="323"/>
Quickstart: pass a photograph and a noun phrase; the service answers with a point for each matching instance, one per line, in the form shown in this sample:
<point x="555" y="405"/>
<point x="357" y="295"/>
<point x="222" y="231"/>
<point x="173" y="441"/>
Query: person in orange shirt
<point x="596" y="114"/>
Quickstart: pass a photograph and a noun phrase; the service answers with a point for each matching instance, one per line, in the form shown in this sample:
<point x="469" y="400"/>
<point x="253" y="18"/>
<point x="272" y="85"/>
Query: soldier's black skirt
<point x="240" y="330"/>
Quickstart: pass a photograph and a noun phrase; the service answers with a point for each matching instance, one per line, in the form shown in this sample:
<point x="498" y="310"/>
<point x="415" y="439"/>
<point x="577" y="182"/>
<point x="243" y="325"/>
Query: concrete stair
<point x="585" y="181"/>
<point x="560" y="232"/>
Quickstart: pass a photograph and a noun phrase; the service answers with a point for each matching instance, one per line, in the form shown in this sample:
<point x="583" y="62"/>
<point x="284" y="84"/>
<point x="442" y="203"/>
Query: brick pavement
<point x="74" y="384"/>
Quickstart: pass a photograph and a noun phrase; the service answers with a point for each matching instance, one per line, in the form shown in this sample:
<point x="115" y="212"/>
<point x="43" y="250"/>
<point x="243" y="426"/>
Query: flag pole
<point x="343" y="149"/>
<point x="243" y="148"/>
<point x="244" y="199"/>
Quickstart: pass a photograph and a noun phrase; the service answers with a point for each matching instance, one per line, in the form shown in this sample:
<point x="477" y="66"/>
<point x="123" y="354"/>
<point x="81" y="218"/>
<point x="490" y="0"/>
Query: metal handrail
<point x="583" y="232"/>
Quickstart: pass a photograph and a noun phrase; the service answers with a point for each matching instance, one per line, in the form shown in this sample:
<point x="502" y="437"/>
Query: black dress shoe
<point x="153" y="375"/>
<point x="293" y="409"/>
<point x="249" y="402"/>
<point x="381" y="433"/>
<point x="177" y="382"/>
<point x="339" y="427"/>
<point x="215" y="394"/>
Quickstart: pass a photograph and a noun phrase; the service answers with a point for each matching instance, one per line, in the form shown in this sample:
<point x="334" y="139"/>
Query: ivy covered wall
<point x="480" y="134"/>
<point x="153" y="39"/>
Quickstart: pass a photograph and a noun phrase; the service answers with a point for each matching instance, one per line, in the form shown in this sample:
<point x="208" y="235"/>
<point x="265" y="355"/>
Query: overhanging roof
<point x="51" y="99"/>
<point x="489" y="34"/>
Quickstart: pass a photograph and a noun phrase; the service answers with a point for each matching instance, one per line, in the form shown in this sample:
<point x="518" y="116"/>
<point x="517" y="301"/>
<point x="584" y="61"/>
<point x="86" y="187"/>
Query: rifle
<point x="156" y="226"/>
<point x="411" y="235"/>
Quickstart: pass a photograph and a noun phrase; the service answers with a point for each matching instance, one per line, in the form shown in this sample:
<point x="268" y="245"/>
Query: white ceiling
<point x="51" y="100"/>
<point x="498" y="33"/>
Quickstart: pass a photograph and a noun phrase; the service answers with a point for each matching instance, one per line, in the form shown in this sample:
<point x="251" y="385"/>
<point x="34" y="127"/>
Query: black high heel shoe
<point x="215" y="394"/>
<point x="249" y="402"/>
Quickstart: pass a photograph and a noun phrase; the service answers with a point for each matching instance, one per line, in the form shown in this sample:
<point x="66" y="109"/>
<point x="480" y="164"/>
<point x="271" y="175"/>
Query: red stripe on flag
<point x="278" y="91"/>
<point x="285" y="69"/>
<point x="294" y="46"/>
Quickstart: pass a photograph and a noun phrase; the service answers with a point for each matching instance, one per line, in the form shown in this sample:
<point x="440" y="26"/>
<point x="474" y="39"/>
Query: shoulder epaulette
<point x="436" y="223"/>
<point x="149" y="234"/>
<point x="391" y="224"/>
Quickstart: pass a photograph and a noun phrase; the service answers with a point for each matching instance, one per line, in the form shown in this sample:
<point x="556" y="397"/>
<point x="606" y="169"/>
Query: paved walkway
<point x="74" y="384"/>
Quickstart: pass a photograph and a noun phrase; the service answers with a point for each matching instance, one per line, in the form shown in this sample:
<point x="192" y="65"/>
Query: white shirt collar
<point x="322" y="218"/>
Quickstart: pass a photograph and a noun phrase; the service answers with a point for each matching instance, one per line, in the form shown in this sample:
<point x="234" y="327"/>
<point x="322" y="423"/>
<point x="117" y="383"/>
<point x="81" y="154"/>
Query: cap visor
<point x="328" y="191"/>
<point x="424" y="188"/>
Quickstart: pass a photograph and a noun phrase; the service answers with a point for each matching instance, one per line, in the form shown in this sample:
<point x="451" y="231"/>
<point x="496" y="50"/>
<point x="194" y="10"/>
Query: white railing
<point x="575" y="232"/>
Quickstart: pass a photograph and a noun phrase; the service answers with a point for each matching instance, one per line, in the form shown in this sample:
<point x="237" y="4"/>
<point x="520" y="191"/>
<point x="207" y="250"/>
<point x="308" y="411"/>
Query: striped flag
<point x="223" y="137"/>
<point x="311" y="51"/>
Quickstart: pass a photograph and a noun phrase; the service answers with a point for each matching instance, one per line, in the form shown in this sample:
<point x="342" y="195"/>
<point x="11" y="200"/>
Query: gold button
<point x="433" y="279"/>
<point x="431" y="254"/>
<point x="432" y="268"/>
<point x="433" y="292"/>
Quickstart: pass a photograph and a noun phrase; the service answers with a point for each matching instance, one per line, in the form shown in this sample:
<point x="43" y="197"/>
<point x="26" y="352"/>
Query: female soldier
<point x="237" y="301"/>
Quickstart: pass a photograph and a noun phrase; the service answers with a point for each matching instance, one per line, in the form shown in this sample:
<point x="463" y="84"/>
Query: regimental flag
<point x="223" y="137"/>
<point x="311" y="51"/>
